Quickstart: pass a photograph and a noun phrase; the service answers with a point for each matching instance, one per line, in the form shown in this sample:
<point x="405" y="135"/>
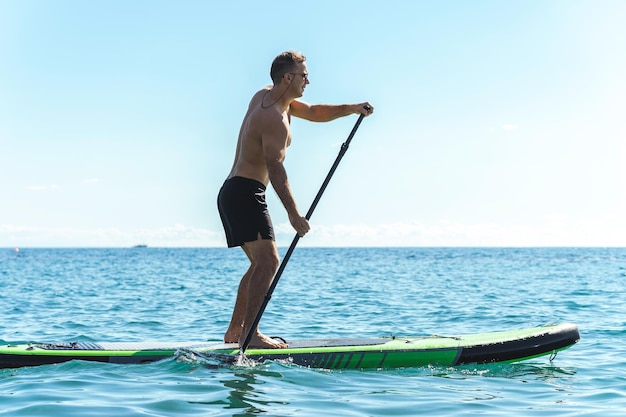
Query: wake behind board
<point x="506" y="346"/>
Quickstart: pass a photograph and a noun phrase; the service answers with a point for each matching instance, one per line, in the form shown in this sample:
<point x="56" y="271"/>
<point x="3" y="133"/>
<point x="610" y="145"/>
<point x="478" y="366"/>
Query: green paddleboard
<point x="352" y="353"/>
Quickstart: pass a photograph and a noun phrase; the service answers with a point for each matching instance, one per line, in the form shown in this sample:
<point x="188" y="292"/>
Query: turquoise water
<point x="50" y="295"/>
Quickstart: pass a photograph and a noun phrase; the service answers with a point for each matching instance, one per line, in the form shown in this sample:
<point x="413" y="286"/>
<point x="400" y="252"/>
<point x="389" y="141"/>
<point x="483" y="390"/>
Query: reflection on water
<point x="245" y="393"/>
<point x="539" y="371"/>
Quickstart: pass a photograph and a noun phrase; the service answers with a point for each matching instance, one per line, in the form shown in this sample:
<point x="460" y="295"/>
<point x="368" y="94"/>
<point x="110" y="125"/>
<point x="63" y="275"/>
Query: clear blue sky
<point x="498" y="123"/>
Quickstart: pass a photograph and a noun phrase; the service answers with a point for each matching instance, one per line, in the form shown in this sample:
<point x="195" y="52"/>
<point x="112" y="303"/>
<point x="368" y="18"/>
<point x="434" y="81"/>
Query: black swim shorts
<point x="243" y="210"/>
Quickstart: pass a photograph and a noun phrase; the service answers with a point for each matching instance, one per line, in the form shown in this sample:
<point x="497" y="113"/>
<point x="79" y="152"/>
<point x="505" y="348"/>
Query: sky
<point x="497" y="123"/>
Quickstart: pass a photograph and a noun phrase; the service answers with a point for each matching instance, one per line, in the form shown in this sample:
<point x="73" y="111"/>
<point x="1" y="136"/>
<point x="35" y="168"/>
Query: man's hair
<point x="285" y="63"/>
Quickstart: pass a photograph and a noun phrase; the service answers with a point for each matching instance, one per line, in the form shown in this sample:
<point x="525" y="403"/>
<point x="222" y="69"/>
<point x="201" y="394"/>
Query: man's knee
<point x="268" y="261"/>
<point x="263" y="255"/>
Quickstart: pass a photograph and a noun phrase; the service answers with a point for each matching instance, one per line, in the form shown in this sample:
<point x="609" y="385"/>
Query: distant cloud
<point x="43" y="187"/>
<point x="170" y="236"/>
<point x="49" y="187"/>
<point x="554" y="230"/>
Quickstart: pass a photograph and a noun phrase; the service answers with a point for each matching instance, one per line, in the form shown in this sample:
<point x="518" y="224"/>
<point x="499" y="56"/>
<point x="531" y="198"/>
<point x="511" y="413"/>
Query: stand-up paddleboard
<point x="507" y="346"/>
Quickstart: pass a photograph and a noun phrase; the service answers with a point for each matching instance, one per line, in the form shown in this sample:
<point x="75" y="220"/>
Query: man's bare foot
<point x="231" y="337"/>
<point x="260" y="341"/>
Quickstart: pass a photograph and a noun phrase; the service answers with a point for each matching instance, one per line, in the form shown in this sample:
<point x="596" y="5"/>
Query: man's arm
<point x="328" y="112"/>
<point x="274" y="149"/>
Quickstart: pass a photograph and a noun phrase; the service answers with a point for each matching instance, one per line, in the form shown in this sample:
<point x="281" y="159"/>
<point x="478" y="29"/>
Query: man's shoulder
<point x="258" y="96"/>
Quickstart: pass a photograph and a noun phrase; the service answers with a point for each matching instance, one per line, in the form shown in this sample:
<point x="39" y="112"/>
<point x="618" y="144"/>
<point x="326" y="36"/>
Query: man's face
<point x="300" y="78"/>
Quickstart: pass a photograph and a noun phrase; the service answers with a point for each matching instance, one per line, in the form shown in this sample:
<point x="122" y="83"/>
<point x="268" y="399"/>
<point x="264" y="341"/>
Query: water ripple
<point x="182" y="294"/>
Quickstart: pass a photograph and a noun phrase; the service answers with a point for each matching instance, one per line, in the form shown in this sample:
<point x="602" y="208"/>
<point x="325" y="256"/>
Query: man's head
<point x="285" y="63"/>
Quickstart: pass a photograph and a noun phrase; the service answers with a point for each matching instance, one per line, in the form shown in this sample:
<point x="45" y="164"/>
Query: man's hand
<point x="301" y="224"/>
<point x="364" y="108"/>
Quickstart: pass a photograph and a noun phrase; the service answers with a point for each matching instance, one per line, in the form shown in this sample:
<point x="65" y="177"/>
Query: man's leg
<point x="264" y="256"/>
<point x="236" y="322"/>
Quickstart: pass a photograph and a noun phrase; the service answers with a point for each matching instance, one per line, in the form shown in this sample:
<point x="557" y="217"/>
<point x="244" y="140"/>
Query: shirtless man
<point x="263" y="140"/>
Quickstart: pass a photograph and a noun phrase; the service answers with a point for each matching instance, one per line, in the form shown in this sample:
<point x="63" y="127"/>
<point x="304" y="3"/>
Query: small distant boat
<point x="140" y="246"/>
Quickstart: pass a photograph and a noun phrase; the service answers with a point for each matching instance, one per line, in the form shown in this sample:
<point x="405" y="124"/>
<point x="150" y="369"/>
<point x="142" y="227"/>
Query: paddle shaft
<point x="283" y="264"/>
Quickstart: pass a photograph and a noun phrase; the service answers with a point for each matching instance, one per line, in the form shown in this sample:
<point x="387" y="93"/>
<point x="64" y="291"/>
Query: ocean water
<point x="53" y="295"/>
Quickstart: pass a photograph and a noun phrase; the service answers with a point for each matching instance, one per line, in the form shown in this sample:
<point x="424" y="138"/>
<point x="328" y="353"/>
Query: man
<point x="263" y="140"/>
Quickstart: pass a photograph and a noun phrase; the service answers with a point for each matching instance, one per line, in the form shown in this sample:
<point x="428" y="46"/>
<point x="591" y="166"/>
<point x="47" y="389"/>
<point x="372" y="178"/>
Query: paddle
<point x="283" y="264"/>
